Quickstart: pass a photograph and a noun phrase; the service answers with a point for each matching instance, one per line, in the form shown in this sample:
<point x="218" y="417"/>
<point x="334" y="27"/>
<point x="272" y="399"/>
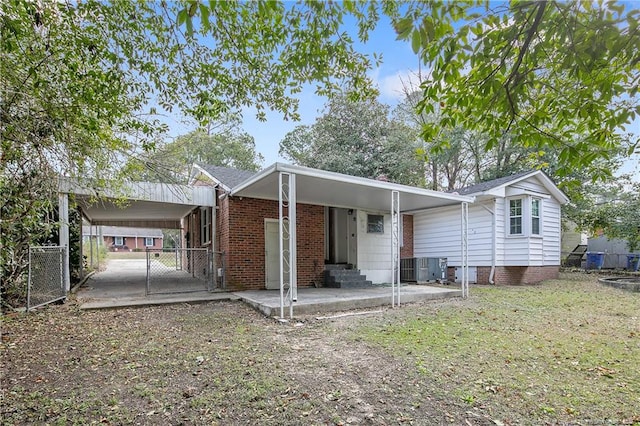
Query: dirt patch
<point x="565" y="352"/>
<point x="214" y="363"/>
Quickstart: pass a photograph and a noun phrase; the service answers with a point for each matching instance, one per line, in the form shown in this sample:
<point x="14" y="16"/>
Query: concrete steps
<point x="343" y="276"/>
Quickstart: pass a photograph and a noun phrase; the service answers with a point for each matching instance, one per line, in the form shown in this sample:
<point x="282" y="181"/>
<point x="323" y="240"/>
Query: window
<point x="515" y="216"/>
<point x="118" y="241"/>
<point x="375" y="224"/>
<point x="148" y="241"/>
<point x="535" y="216"/>
<point x="205" y="225"/>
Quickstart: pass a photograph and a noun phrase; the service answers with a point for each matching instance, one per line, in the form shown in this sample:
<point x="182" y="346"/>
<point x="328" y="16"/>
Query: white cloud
<point x="392" y="87"/>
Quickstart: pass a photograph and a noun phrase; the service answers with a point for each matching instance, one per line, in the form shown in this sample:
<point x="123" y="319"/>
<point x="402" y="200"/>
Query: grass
<point x="567" y="350"/>
<point x="564" y="352"/>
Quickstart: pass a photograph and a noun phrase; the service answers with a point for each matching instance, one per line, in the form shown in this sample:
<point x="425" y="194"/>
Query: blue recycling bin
<point x="595" y="260"/>
<point x="633" y="262"/>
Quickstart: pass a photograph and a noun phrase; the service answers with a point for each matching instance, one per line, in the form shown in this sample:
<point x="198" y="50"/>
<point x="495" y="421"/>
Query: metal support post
<point x="147" y="289"/>
<point x="464" y="248"/>
<point x="287" y="240"/>
<point x="63" y="237"/>
<point x="395" y="248"/>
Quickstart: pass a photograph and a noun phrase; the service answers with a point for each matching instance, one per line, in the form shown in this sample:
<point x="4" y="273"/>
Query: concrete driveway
<point x="123" y="283"/>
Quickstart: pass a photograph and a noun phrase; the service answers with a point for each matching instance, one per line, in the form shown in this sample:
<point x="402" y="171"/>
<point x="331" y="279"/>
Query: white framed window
<point x="205" y="225"/>
<point x="515" y="216"/>
<point x="375" y="224"/>
<point x="148" y="241"/>
<point x="535" y="216"/>
<point x="118" y="241"/>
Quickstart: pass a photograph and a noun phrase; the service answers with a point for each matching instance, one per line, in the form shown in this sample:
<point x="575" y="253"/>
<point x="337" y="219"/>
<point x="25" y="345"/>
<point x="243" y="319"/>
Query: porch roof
<point x="338" y="190"/>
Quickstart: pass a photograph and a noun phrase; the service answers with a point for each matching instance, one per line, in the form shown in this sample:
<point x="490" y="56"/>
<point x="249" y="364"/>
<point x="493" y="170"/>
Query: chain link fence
<point x="46" y="276"/>
<point x="179" y="270"/>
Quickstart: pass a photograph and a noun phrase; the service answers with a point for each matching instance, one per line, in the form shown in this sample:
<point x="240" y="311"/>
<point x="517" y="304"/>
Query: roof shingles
<point x="226" y="175"/>
<point x="490" y="184"/>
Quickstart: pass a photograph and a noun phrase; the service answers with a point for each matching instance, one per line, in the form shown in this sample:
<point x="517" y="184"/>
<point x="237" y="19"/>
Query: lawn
<point x="567" y="351"/>
<point x="564" y="351"/>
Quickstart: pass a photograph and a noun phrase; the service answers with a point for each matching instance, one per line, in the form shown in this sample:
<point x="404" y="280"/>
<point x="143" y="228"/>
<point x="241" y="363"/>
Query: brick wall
<point x="242" y="240"/>
<point x="512" y="275"/>
<point x="407" y="236"/>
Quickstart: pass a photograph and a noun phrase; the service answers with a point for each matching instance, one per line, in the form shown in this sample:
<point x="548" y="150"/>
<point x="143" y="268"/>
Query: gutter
<point x="493" y="240"/>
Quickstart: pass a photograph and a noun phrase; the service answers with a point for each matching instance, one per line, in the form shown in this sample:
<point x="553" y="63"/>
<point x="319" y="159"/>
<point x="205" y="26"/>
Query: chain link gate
<point x="179" y="270"/>
<point x="46" y="276"/>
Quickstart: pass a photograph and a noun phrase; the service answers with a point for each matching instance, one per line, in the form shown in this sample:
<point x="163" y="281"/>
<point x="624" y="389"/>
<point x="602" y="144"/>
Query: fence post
<point x="148" y="272"/>
<point x="63" y="234"/>
<point x="29" y="283"/>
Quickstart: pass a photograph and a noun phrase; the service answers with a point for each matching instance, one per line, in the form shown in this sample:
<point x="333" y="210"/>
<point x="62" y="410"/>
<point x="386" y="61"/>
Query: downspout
<point x="214" y="226"/>
<point x="493" y="240"/>
<point x="221" y="197"/>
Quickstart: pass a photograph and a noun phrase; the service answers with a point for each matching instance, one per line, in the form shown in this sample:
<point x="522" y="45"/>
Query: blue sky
<point x="399" y="64"/>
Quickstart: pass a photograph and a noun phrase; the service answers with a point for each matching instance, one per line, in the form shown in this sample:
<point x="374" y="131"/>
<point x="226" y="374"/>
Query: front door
<point x="272" y="254"/>
<point x="343" y="238"/>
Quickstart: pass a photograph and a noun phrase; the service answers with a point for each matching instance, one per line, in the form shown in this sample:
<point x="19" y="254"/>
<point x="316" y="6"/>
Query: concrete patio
<point x="123" y="284"/>
<point x="322" y="300"/>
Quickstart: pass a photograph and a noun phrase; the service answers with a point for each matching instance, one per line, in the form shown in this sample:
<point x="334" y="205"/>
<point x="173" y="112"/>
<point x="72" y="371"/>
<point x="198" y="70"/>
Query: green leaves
<point x="357" y="138"/>
<point x="546" y="73"/>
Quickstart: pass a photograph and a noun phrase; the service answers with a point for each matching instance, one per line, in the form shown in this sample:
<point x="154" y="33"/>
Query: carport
<point x="136" y="204"/>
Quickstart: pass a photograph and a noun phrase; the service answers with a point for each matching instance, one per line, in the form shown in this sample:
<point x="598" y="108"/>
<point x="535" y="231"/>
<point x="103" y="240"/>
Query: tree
<point x="457" y="157"/>
<point x="84" y="85"/>
<point x="613" y="210"/>
<point x="173" y="161"/>
<point x="359" y="139"/>
<point x="546" y="74"/>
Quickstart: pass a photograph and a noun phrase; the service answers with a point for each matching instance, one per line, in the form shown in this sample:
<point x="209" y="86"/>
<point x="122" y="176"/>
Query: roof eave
<point x="323" y="174"/>
<point x="202" y="170"/>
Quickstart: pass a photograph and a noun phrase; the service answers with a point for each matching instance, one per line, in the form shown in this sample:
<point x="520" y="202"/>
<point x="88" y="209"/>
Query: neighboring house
<point x="118" y="238"/>
<point x="514" y="230"/>
<point x="342" y="221"/>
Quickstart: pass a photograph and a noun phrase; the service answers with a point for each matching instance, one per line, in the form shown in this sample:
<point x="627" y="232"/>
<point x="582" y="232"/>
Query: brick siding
<point x="407" y="236"/>
<point x="241" y="233"/>
<point x="512" y="275"/>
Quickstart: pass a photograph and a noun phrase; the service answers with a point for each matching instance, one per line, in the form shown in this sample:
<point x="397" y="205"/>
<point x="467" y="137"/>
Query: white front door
<point x="272" y="254"/>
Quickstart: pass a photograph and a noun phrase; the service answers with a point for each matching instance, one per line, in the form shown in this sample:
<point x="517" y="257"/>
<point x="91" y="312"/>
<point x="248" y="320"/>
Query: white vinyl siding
<point x="437" y="234"/>
<point x="437" y="231"/>
<point x="551" y="232"/>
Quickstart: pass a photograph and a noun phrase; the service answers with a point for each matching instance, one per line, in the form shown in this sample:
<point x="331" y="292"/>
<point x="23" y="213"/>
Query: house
<point x="342" y="229"/>
<point x="513" y="231"/>
<point x="120" y="238"/>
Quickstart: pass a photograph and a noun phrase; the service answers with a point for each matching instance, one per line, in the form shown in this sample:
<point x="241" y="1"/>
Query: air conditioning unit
<point x="423" y="269"/>
<point x="431" y="269"/>
<point x="408" y="269"/>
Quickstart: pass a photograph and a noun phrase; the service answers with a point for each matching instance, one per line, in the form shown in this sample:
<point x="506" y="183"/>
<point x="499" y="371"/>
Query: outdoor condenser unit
<point x="431" y="269"/>
<point x="408" y="269"/>
<point x="423" y="269"/>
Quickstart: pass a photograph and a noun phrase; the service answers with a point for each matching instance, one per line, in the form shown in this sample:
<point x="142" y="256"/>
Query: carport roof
<point x="338" y="190"/>
<point x="139" y="204"/>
